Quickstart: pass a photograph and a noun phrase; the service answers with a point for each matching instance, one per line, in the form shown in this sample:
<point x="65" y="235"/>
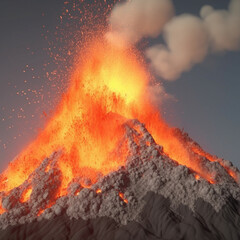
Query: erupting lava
<point x="107" y="87"/>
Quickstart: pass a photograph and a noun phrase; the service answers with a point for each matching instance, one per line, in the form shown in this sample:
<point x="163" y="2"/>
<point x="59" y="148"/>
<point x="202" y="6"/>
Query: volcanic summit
<point x="107" y="166"/>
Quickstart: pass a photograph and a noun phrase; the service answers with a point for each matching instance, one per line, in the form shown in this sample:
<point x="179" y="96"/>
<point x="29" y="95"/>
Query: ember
<point x="121" y="195"/>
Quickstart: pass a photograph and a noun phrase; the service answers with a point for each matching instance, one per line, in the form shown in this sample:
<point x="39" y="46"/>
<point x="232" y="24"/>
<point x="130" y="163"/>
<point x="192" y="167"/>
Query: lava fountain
<point x="108" y="86"/>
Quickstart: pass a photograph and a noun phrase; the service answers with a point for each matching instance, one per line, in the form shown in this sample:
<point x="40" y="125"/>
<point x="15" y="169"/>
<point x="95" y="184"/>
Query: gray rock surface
<point x="151" y="197"/>
<point x="158" y="221"/>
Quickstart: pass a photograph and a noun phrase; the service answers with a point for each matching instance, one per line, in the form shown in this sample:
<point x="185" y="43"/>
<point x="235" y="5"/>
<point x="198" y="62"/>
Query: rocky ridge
<point x="120" y="195"/>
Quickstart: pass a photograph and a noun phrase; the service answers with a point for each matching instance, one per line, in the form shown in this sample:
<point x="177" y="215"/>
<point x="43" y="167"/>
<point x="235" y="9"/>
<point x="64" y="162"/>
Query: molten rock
<point x="122" y="195"/>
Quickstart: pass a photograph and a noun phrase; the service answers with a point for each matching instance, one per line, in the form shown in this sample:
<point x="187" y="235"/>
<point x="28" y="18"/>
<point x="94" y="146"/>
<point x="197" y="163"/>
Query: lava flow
<point x="107" y="87"/>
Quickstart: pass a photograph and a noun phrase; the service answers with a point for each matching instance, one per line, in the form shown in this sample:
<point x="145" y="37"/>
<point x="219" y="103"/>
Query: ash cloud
<point x="188" y="39"/>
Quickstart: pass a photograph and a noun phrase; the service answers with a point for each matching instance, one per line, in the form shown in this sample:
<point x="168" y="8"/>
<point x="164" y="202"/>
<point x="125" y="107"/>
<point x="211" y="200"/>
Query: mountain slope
<point x="151" y="197"/>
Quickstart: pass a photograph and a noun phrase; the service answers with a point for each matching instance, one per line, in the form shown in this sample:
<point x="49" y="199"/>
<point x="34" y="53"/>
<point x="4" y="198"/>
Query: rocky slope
<point x="151" y="197"/>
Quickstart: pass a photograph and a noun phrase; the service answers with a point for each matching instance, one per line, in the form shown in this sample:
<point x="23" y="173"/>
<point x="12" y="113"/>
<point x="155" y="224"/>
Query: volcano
<point x="150" y="197"/>
<point x="107" y="166"/>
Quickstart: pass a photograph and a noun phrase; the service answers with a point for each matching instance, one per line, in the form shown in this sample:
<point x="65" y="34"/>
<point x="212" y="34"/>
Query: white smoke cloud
<point x="187" y="44"/>
<point x="133" y="20"/>
<point x="158" y="94"/>
<point x="188" y="39"/>
<point x="223" y="26"/>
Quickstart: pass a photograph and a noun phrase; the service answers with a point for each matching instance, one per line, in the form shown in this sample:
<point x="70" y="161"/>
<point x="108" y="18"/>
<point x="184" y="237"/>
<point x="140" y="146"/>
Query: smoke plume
<point x="187" y="44"/>
<point x="133" y="20"/>
<point x="188" y="38"/>
<point x="223" y="26"/>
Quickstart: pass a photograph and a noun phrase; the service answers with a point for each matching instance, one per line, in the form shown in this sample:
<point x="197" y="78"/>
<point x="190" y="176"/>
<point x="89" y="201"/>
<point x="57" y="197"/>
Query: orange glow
<point x="231" y="173"/>
<point x="202" y="153"/>
<point x="197" y="177"/>
<point x="107" y="86"/>
<point x="211" y="158"/>
<point x="26" y="195"/>
<point x="98" y="191"/>
<point x="148" y="143"/>
<point x="87" y="125"/>
<point x="1" y="208"/>
<point x="77" y="192"/>
<point x="121" y="195"/>
<point x="49" y="205"/>
<point x="47" y="168"/>
<point x="40" y="212"/>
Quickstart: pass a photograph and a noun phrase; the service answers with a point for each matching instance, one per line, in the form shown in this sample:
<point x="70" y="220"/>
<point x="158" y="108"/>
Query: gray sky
<point x="208" y="99"/>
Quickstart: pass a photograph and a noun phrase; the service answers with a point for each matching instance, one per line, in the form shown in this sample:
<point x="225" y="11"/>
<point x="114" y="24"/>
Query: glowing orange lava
<point x="121" y="195"/>
<point x="40" y="212"/>
<point x="87" y="125"/>
<point x="98" y="191"/>
<point x="1" y="208"/>
<point x="211" y="158"/>
<point x="26" y="195"/>
<point x="197" y="177"/>
<point x="107" y="87"/>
